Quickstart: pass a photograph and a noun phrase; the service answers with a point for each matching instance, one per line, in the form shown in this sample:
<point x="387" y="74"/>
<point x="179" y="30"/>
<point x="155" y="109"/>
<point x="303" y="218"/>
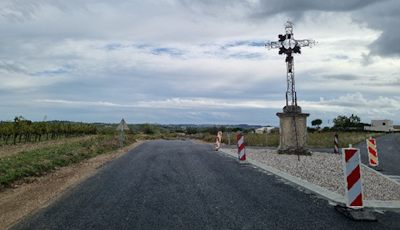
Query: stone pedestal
<point x="293" y="131"/>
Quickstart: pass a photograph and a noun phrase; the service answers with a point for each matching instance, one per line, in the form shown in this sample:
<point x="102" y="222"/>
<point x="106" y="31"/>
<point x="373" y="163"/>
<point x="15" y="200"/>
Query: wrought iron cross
<point x="288" y="45"/>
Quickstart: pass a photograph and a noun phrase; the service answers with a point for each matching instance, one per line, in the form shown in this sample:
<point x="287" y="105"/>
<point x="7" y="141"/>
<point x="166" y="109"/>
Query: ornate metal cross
<point x="288" y="45"/>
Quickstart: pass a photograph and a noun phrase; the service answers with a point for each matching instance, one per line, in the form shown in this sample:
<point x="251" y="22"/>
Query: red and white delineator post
<point x="218" y="142"/>
<point x="336" y="144"/>
<point x="372" y="152"/>
<point x="352" y="177"/>
<point x="241" y="149"/>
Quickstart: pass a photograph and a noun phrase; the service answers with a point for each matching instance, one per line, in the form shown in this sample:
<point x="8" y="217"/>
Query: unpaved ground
<point x="24" y="198"/>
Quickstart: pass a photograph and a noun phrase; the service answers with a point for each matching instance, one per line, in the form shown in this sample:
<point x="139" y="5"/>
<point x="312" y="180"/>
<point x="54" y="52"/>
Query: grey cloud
<point x="382" y="17"/>
<point x="366" y="59"/>
<point x="24" y="10"/>
<point x="296" y="9"/>
<point x="18" y="11"/>
<point x="341" y="77"/>
<point x="12" y="67"/>
<point x="375" y="14"/>
<point x="379" y="15"/>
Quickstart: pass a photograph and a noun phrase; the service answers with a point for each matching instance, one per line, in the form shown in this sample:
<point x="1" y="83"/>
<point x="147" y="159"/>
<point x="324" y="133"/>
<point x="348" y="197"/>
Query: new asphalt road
<point x="388" y="148"/>
<point x="179" y="185"/>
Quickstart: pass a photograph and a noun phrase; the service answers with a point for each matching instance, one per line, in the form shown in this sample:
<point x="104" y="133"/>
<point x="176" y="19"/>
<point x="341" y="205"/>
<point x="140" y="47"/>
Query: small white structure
<point x="382" y="126"/>
<point x="264" y="130"/>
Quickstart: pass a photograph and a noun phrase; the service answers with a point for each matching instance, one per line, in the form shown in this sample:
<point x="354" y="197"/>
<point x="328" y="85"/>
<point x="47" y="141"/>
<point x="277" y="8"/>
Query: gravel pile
<point x="326" y="170"/>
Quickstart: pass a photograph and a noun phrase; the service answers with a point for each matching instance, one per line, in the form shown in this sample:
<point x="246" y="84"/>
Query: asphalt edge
<point x="329" y="195"/>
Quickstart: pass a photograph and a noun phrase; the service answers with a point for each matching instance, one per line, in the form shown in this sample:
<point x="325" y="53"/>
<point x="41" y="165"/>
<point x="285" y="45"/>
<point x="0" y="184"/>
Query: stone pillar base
<point x="293" y="131"/>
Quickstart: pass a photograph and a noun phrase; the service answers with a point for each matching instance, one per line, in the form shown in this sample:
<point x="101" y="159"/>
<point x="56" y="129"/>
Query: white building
<point x="264" y="130"/>
<point x="382" y="126"/>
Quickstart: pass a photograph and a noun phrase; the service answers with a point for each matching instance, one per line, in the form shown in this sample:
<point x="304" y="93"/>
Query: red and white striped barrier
<point x="241" y="150"/>
<point x="372" y="153"/>
<point x="352" y="177"/>
<point x="218" y="142"/>
<point x="336" y="143"/>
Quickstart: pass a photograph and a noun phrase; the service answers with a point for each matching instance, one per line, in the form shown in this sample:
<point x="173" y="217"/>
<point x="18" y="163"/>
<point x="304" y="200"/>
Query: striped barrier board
<point x="241" y="149"/>
<point x="372" y="153"/>
<point x="218" y="142"/>
<point x="352" y="177"/>
<point x="336" y="144"/>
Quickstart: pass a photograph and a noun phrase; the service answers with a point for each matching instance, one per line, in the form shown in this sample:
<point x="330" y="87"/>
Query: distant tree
<point x="222" y="129"/>
<point x="191" y="130"/>
<point x="316" y="122"/>
<point x="6" y="130"/>
<point x="354" y="120"/>
<point x="237" y="129"/>
<point x="344" y="122"/>
<point x="39" y="129"/>
<point x="326" y="129"/>
<point x="251" y="131"/>
<point x="20" y="127"/>
<point x="148" y="128"/>
<point x="211" y="130"/>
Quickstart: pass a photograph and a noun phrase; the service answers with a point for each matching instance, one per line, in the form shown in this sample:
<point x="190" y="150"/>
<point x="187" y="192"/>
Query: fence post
<point x="336" y="144"/>
<point x="372" y="152"/>
<point x="241" y="148"/>
<point x="218" y="142"/>
<point x="229" y="138"/>
<point x="352" y="177"/>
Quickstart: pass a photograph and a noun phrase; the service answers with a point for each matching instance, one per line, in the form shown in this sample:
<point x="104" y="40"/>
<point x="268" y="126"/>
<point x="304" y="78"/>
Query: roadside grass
<point x="8" y="150"/>
<point x="326" y="140"/>
<point x="38" y="161"/>
<point x="314" y="140"/>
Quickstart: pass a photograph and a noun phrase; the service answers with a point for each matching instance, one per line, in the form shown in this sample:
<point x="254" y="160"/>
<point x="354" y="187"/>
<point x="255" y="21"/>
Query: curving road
<point x="388" y="148"/>
<point x="179" y="185"/>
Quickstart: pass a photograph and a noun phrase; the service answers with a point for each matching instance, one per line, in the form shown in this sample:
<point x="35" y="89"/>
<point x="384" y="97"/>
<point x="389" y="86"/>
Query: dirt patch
<point x="24" y="198"/>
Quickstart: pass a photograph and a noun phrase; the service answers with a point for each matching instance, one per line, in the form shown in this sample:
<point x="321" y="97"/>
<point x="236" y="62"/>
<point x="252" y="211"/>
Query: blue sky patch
<point x="49" y="72"/>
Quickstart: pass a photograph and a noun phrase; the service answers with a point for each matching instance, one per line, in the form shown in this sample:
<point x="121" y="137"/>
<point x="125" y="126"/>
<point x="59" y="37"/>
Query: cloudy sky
<point x="198" y="62"/>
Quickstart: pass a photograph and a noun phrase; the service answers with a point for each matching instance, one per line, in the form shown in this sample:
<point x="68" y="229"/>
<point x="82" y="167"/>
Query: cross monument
<point x="292" y="122"/>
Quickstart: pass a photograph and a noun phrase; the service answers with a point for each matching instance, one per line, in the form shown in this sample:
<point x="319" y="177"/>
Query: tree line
<point x="342" y="123"/>
<point x="25" y="130"/>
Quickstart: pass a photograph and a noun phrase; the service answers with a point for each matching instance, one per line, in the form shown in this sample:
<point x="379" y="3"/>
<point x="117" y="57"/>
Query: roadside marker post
<point x="354" y="208"/>
<point x="336" y="144"/>
<point x="121" y="127"/>
<point x="241" y="149"/>
<point x="352" y="177"/>
<point x="218" y="142"/>
<point x="372" y="152"/>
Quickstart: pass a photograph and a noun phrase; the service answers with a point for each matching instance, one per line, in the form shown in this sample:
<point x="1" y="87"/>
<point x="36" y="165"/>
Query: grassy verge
<point x="326" y="140"/>
<point x="315" y="140"/>
<point x="40" y="160"/>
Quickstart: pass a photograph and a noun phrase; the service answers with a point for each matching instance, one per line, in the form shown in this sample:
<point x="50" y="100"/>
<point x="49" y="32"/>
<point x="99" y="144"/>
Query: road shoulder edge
<point x="329" y="195"/>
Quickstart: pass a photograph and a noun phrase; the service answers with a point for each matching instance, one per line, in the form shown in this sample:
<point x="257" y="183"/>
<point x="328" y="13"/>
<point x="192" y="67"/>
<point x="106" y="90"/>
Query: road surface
<point x="388" y="148"/>
<point x="179" y="185"/>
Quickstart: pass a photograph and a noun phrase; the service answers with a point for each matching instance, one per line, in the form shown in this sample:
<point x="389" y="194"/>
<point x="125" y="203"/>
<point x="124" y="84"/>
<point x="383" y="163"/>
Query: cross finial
<point x="288" y="45"/>
<point x="289" y="27"/>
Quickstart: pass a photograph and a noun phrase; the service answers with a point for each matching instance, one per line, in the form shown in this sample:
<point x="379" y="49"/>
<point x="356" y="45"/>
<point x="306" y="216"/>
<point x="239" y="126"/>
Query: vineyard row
<point x="25" y="130"/>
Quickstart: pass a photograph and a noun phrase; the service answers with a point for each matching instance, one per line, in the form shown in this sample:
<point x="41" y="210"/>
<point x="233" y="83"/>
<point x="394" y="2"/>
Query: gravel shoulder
<point x="326" y="171"/>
